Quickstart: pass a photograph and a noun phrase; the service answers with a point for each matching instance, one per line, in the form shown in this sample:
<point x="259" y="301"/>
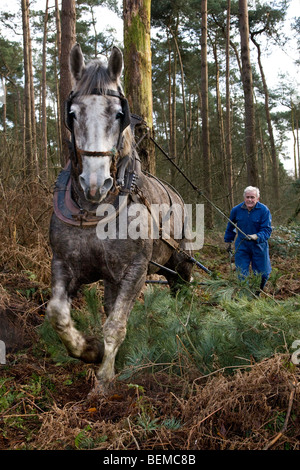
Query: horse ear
<point x="77" y="64"/>
<point x="115" y="63"/>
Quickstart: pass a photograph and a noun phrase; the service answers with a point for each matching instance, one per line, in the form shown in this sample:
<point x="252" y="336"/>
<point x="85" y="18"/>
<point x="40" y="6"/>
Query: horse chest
<point x="91" y="259"/>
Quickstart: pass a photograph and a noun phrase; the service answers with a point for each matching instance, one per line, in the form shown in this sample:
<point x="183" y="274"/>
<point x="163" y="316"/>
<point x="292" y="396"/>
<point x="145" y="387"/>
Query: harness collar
<point x="69" y="212"/>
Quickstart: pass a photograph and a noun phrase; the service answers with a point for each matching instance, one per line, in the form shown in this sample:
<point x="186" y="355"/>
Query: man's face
<point x="250" y="199"/>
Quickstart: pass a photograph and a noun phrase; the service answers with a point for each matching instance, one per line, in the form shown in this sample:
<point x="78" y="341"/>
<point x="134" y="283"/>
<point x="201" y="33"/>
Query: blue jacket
<point x="258" y="221"/>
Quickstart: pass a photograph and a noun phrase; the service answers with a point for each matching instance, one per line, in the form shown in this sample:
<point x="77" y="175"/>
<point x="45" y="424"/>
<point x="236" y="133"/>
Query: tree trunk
<point x="68" y="39"/>
<point x="138" y="73"/>
<point x="171" y="152"/>
<point x="32" y="98"/>
<point x="174" y="113"/>
<point x="229" y="169"/>
<point x="58" y="47"/>
<point x="222" y="163"/>
<point x="250" y="139"/>
<point x="4" y="106"/>
<point x="28" y="161"/>
<point x="298" y="145"/>
<point x="205" y="119"/>
<point x="275" y="170"/>
<point x="185" y="153"/>
<point x="295" y="139"/>
<point x="44" y="93"/>
<point x="263" y="168"/>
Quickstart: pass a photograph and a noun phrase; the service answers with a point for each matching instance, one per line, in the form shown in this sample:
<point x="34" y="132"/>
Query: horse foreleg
<point x="87" y="349"/>
<point x="114" y="329"/>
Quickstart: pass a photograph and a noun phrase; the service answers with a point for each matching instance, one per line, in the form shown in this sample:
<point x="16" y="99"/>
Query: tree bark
<point x="222" y="163"/>
<point x="171" y="152"/>
<point x="205" y="119"/>
<point x="58" y="47"/>
<point x="68" y="39"/>
<point x="275" y="169"/>
<point x="138" y="73"/>
<point x="44" y="93"/>
<point x="228" y="114"/>
<point x="174" y="112"/>
<point x="263" y="163"/>
<point x="32" y="98"/>
<point x="185" y="153"/>
<point x="250" y="138"/>
<point x="4" y="106"/>
<point x="295" y="139"/>
<point x="28" y="160"/>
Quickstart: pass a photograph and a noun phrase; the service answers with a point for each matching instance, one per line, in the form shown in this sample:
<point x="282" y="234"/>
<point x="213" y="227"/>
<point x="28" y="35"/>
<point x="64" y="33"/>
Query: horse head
<point x="98" y="117"/>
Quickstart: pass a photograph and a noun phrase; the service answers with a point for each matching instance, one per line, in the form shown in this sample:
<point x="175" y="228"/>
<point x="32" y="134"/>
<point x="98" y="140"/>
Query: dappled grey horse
<point x="98" y="188"/>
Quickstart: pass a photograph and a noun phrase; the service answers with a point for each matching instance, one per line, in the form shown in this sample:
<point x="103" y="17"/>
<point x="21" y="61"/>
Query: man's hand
<point x="228" y="248"/>
<point x="253" y="237"/>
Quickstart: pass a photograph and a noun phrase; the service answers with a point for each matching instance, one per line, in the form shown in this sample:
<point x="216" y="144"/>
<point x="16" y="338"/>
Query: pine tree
<point x="137" y="72"/>
<point x="250" y="137"/>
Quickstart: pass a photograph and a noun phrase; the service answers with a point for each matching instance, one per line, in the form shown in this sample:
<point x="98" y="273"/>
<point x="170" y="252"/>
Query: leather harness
<point x="124" y="174"/>
<point x="69" y="212"/>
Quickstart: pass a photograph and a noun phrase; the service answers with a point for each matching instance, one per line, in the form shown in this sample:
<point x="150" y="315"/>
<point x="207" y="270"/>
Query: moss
<point x="137" y="55"/>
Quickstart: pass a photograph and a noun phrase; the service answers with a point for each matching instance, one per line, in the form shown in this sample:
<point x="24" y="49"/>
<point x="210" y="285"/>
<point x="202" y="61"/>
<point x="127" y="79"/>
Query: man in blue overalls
<point x="254" y="219"/>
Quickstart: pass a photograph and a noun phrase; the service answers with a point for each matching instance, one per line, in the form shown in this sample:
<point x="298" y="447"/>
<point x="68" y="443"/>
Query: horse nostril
<point x="107" y="185"/>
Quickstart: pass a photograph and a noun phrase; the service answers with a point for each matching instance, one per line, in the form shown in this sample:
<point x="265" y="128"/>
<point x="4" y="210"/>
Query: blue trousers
<point x="254" y="254"/>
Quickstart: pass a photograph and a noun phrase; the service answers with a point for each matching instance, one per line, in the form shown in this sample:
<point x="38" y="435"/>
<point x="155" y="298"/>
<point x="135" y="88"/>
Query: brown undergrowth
<point x="25" y="210"/>
<point x="251" y="410"/>
<point x="44" y="405"/>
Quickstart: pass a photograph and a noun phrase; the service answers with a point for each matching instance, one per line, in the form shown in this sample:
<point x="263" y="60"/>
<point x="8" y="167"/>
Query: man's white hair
<point x="252" y="188"/>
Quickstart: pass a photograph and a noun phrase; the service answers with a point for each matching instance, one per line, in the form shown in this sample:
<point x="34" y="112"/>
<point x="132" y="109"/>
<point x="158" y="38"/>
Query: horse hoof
<point x="93" y="351"/>
<point x="99" y="390"/>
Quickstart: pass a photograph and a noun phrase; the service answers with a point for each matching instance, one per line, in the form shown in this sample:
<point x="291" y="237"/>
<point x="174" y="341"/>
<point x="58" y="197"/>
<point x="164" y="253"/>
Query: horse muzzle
<point x="98" y="194"/>
<point x="93" y="191"/>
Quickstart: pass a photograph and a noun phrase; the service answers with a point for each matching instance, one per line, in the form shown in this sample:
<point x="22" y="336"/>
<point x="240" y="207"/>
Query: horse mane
<point x="96" y="77"/>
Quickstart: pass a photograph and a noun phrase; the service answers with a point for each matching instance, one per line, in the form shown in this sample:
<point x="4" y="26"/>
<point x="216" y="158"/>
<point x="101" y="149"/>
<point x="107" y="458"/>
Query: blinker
<point x="68" y="116"/>
<point x="125" y="120"/>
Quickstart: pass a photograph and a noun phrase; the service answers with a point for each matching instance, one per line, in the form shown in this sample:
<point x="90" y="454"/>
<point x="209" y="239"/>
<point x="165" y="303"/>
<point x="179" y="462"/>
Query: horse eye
<point x="119" y="115"/>
<point x="72" y="113"/>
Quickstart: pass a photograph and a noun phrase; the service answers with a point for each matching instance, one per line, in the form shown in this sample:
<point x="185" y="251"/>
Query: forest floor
<point x="44" y="404"/>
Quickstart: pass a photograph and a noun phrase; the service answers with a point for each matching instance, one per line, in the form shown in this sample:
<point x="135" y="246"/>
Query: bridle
<point x="69" y="123"/>
<point x="68" y="209"/>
